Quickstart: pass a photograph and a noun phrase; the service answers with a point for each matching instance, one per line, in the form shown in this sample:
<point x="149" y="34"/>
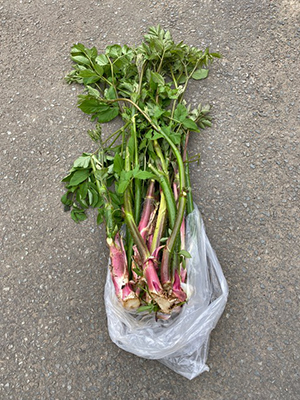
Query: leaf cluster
<point x="145" y="86"/>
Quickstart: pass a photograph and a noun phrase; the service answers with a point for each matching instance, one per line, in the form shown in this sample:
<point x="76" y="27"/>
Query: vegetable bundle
<point x="138" y="177"/>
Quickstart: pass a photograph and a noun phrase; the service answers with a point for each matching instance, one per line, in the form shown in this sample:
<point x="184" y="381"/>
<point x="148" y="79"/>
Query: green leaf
<point x="90" y="105"/>
<point x="180" y="112"/>
<point x="110" y="93"/>
<point x="77" y="48"/>
<point x="184" y="253"/>
<point x="80" y="60"/>
<point x="79" y="176"/>
<point x="156" y="136"/>
<point x="102" y="60"/>
<point x="200" y="74"/>
<point x="83" y="188"/>
<point x="108" y="115"/>
<point x="104" y="112"/>
<point x="144" y="175"/>
<point x="89" y="76"/>
<point x="157" y="78"/>
<point x="95" y="199"/>
<point x="78" y="215"/>
<point x="176" y="138"/>
<point x="90" y="196"/>
<point x="87" y="73"/>
<point x="148" y="308"/>
<point x="99" y="70"/>
<point x="82" y="162"/>
<point x="118" y="164"/>
<point x="93" y="92"/>
<point x="67" y="178"/>
<point x="99" y="217"/>
<point x="138" y="271"/>
<point x="123" y="186"/>
<point x="206" y="122"/>
<point x="191" y="125"/>
<point x="66" y="199"/>
<point x="130" y="145"/>
<point x="101" y="173"/>
<point x="115" y="198"/>
<point x="216" y="55"/>
<point x="114" y="51"/>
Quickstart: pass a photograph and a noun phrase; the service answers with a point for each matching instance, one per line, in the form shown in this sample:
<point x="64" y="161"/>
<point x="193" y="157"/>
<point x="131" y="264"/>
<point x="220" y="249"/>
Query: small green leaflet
<point x="67" y="199"/>
<point x="144" y="175"/>
<point x="108" y="115"/>
<point x="157" y="78"/>
<point x="156" y="136"/>
<point x="104" y="112"/>
<point x="93" y="92"/>
<point x="126" y="176"/>
<point x="184" y="253"/>
<point x="180" y="112"/>
<point x="148" y="308"/>
<point x="114" y="51"/>
<point x="118" y="164"/>
<point x="191" y="125"/>
<point x="89" y="76"/>
<point x="123" y="186"/>
<point x="78" y="216"/>
<point x="138" y="271"/>
<point x="102" y="60"/>
<point x="80" y="60"/>
<point x="83" y="188"/>
<point x="82" y="162"/>
<point x="200" y="74"/>
<point x="79" y="176"/>
<point x="90" y="105"/>
<point x="110" y="93"/>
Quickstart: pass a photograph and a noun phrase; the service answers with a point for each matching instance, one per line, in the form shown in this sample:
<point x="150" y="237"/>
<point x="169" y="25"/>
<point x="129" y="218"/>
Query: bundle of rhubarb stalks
<point x="138" y="176"/>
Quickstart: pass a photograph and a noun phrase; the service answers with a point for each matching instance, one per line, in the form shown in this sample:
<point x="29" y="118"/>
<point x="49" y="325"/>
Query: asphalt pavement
<point x="54" y="341"/>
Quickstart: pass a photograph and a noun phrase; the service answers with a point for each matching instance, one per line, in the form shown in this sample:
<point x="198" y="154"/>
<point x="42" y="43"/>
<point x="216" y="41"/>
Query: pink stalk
<point x="147" y="210"/>
<point x="160" y="224"/>
<point x="182" y="230"/>
<point x="155" y="288"/>
<point x="175" y="190"/>
<point x="164" y="269"/>
<point x="150" y="240"/>
<point x="177" y="290"/>
<point x="136" y="262"/>
<point x="182" y="239"/>
<point x="120" y="275"/>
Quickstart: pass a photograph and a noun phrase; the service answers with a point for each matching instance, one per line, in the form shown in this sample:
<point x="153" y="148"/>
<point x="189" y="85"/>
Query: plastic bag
<point x="181" y="342"/>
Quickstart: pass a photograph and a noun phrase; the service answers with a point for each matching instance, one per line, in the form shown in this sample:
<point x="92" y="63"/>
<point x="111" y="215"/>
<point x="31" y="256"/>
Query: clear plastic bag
<point x="181" y="342"/>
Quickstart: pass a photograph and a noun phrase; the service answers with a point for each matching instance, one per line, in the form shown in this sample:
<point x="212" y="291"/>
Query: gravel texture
<point x="54" y="340"/>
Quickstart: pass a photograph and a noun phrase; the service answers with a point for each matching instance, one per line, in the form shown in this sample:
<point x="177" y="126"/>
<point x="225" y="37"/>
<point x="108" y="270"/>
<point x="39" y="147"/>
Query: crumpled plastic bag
<point x="181" y="342"/>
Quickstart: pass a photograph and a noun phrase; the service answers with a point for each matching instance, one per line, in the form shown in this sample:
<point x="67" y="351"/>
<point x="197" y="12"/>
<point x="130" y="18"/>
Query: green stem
<point x="161" y="61"/>
<point x="108" y="212"/>
<point x="137" y="182"/>
<point x="159" y="153"/>
<point x="176" y="87"/>
<point x="132" y="227"/>
<point x="160" y="223"/>
<point x="175" y="263"/>
<point x="181" y="207"/>
<point x="166" y="188"/>
<point x="182" y="196"/>
<point x="190" y="203"/>
<point x="120" y="131"/>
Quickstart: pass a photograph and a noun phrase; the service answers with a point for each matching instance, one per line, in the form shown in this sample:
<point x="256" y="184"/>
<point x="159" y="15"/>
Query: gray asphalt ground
<point x="54" y="339"/>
